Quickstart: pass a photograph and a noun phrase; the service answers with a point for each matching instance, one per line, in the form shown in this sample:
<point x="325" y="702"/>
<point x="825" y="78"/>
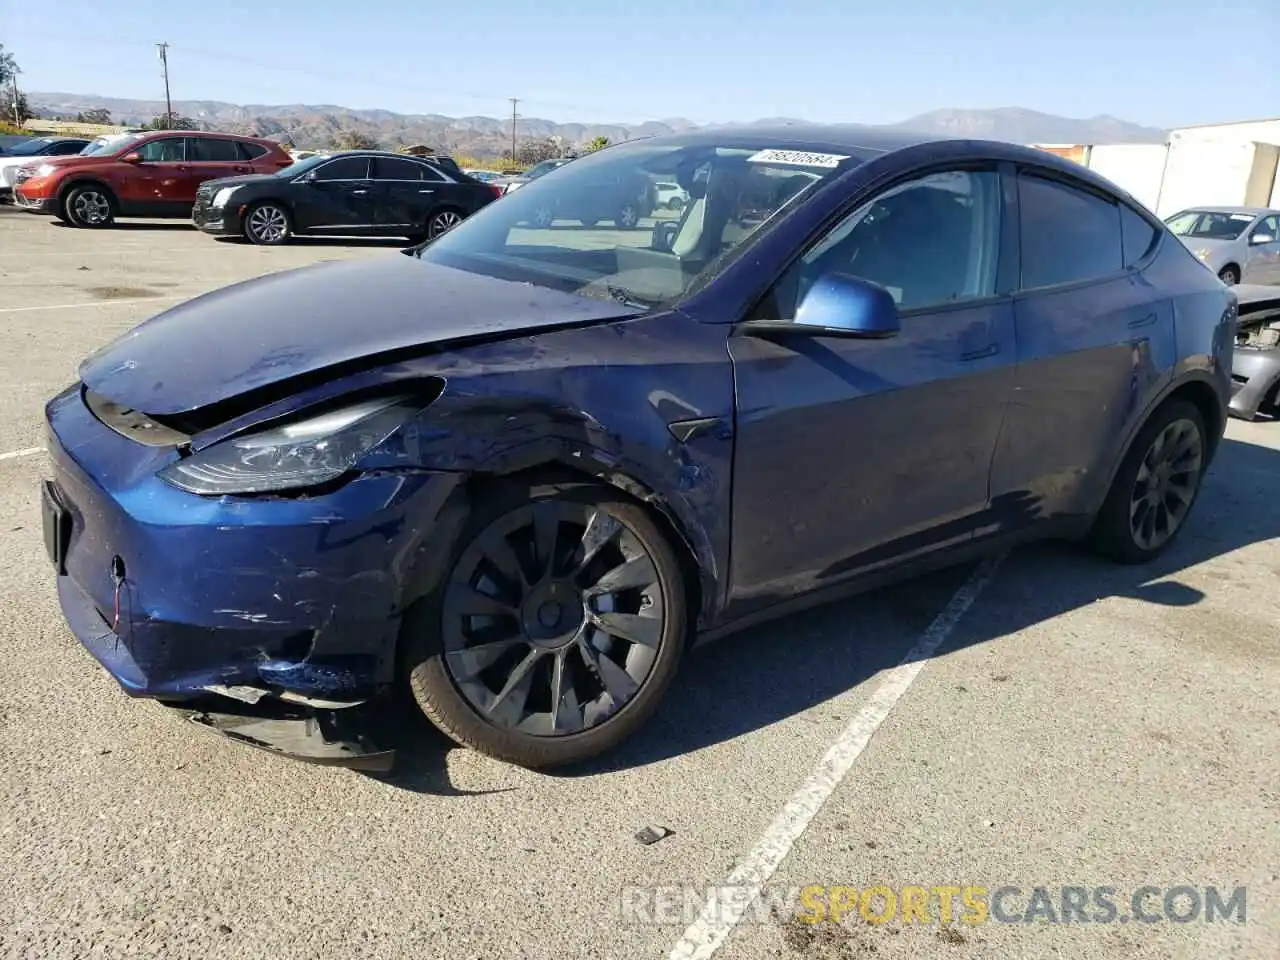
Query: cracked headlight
<point x="296" y="455"/>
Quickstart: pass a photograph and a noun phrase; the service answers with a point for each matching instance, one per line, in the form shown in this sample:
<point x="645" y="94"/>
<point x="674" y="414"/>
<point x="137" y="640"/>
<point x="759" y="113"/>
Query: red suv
<point x="153" y="174"/>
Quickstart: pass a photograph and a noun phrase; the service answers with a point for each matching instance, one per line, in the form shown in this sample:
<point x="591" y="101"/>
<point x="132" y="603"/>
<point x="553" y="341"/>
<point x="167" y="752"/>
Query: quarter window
<point x="393" y="168"/>
<point x="930" y="241"/>
<point x="1139" y="236"/>
<point x="1067" y="234"/>
<point x="164" y="150"/>
<point x="344" y="168"/>
<point x="211" y="150"/>
<point x="250" y="151"/>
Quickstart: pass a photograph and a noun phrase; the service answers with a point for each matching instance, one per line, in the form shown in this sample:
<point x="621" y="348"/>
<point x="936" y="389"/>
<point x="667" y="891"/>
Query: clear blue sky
<point x="1158" y="62"/>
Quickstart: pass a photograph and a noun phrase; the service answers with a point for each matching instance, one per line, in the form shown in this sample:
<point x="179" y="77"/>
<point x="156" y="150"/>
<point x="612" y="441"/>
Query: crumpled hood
<point x="284" y="325"/>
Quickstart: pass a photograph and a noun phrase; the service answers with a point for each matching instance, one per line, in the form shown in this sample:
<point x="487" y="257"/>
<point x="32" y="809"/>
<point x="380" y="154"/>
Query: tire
<point x="1230" y="275"/>
<point x="675" y="205"/>
<point x="545" y="634"/>
<point x="89" y="206"/>
<point x="442" y="221"/>
<point x="1133" y="499"/>
<point x="627" y="217"/>
<point x="267" y="224"/>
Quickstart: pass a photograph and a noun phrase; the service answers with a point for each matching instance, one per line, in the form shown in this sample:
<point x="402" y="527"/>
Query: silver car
<point x="1239" y="244"/>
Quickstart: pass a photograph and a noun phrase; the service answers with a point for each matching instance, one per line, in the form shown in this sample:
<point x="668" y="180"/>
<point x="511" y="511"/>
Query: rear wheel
<point x="1155" y="488"/>
<point x="442" y="222"/>
<point x="1230" y="275"/>
<point x="89" y="206"/>
<point x="267" y="224"/>
<point x="557" y="630"/>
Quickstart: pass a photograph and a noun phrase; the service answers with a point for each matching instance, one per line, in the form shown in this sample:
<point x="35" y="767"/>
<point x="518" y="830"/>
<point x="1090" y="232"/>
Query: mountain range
<point x="316" y="125"/>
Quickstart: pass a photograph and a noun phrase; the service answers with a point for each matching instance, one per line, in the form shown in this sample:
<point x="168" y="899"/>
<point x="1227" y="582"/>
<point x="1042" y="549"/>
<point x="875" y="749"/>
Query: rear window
<point x="1067" y="234"/>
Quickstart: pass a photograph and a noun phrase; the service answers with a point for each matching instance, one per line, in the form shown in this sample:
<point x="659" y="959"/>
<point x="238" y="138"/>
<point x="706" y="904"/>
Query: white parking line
<point x="732" y="898"/>
<point x="24" y="452"/>
<point x="96" y="303"/>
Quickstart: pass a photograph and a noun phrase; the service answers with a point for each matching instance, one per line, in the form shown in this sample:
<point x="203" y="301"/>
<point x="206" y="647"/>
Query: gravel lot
<point x="1080" y="724"/>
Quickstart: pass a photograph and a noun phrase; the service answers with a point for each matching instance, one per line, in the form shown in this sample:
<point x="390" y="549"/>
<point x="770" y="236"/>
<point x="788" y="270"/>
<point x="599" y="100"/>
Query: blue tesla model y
<point x="514" y="472"/>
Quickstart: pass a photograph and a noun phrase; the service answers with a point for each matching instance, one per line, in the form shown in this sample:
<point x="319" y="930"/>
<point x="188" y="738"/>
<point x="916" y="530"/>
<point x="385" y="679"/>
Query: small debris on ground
<point x="1000" y="677"/>
<point x="651" y="835"/>
<point x="954" y="937"/>
<point x="223" y="928"/>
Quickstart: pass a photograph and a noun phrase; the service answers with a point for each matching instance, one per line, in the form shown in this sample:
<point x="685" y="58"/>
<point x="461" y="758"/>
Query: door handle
<point x="358" y="192"/>
<point x="990" y="350"/>
<point x="426" y="191"/>
<point x="1144" y="322"/>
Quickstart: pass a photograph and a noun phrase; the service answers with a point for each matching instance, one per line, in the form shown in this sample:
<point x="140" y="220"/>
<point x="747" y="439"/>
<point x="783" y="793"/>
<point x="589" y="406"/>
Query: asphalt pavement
<point x="1058" y="722"/>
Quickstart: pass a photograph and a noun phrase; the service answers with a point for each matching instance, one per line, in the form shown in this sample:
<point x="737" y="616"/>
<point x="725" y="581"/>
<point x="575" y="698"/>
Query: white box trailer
<point x="1202" y="171"/>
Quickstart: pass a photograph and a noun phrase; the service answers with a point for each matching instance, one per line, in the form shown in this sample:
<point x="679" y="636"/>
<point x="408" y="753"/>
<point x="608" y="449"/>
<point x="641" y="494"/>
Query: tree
<point x="535" y="151"/>
<point x="172" y="121"/>
<point x="96" y="115"/>
<point x="22" y="110"/>
<point x="597" y="143"/>
<point x="353" y="140"/>
<point x="8" y="66"/>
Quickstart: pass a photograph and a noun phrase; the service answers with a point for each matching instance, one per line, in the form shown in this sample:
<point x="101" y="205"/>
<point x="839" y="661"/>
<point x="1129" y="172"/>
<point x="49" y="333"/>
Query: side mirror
<point x="133" y="157"/>
<point x="837" y="305"/>
<point x="1260" y="238"/>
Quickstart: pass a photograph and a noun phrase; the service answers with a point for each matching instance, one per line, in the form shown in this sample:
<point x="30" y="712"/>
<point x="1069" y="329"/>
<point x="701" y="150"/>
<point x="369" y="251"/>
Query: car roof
<point x="1226" y="208"/>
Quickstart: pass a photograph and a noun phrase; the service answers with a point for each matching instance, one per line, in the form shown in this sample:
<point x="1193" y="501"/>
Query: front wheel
<point x="557" y="630"/>
<point x="267" y="224"/>
<point x="89" y="206"/>
<point x="1155" y="488"/>
<point x="627" y="216"/>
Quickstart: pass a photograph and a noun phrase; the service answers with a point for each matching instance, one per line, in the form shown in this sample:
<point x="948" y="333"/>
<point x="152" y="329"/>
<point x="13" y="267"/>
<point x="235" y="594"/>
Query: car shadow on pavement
<point x="767" y="674"/>
<point x="135" y="225"/>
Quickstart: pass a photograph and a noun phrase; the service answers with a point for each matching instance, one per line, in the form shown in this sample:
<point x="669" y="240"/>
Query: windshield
<point x="301" y="166"/>
<point x="598" y="228"/>
<point x="30" y="148"/>
<point x="1209" y="224"/>
<point x="111" y="144"/>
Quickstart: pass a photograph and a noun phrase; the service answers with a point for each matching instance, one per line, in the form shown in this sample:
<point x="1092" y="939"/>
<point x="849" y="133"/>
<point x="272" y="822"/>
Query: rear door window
<point x="212" y="150"/>
<point x="1068" y="234"/>
<point x="344" y="168"/>
<point x="250" y="151"/>
<point x="393" y="168"/>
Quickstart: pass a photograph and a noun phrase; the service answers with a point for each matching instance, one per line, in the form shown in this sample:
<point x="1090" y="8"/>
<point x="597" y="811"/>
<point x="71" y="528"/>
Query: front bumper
<point x="216" y="221"/>
<point x="33" y="204"/>
<point x="178" y="595"/>
<point x="1255" y="373"/>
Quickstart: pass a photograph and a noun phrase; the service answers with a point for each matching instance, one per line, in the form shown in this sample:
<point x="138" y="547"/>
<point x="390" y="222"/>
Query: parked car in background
<point x="1239" y="244"/>
<point x="34" y="149"/>
<point x="513" y="473"/>
<point x="515" y="182"/>
<point x="1255" y="370"/>
<point x="670" y="196"/>
<point x="10" y="140"/>
<point x="154" y="174"/>
<point x="485" y="176"/>
<point x="355" y="193"/>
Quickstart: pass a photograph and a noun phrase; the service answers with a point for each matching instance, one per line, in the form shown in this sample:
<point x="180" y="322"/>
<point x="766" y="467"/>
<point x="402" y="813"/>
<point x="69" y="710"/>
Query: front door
<point x="853" y="454"/>
<point x="339" y="198"/>
<point x="161" y="183"/>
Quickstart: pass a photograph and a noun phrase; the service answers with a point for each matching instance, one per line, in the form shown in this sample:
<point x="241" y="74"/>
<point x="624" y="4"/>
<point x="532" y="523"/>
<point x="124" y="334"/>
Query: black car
<point x="357" y="193"/>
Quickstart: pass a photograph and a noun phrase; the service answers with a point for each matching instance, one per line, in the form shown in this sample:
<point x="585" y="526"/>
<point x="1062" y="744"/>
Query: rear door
<point x="1094" y="341"/>
<point x="338" y="198"/>
<point x="406" y="193"/>
<point x="212" y="158"/>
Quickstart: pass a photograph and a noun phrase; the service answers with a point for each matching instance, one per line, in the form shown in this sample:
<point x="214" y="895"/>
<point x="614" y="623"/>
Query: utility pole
<point x="17" y="114"/>
<point x="514" y="101"/>
<point x="163" y="48"/>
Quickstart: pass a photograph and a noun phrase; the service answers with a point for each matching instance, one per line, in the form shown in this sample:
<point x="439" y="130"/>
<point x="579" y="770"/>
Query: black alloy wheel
<point x="557" y="630"/>
<point x="1155" y="488"/>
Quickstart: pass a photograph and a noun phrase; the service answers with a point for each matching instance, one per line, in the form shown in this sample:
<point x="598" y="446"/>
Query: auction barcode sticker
<point x="797" y="158"/>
